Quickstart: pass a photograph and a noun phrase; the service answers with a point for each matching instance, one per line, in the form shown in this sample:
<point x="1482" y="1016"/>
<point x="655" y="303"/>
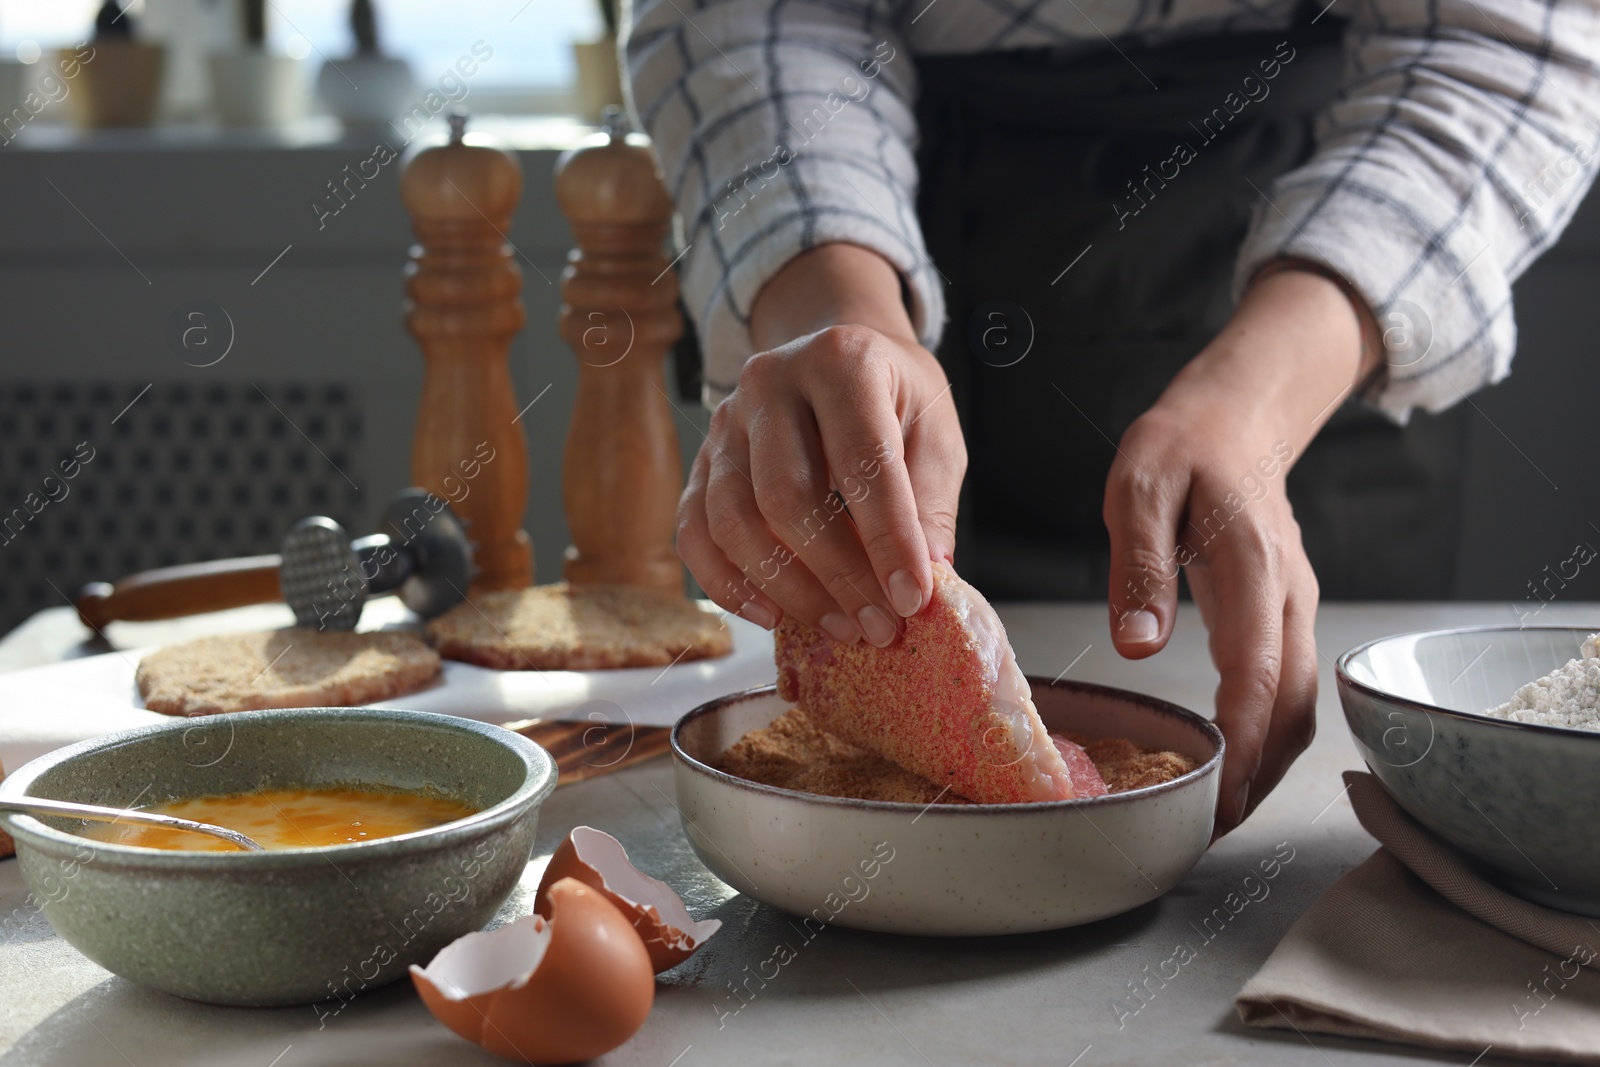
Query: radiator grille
<point x="181" y="474"/>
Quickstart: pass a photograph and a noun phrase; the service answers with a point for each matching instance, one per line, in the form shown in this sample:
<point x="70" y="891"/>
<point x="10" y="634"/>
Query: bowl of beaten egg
<point x="388" y="835"/>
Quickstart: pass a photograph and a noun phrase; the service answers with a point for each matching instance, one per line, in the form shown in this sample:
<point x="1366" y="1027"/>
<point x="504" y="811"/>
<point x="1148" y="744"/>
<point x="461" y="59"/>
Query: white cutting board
<point x="43" y="708"/>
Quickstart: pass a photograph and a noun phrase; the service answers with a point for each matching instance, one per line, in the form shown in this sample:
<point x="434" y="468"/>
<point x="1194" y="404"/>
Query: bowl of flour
<point x="1490" y="738"/>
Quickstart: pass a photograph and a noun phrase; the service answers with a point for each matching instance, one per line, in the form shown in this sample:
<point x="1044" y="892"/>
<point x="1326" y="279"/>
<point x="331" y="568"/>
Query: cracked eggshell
<point x="557" y="988"/>
<point x="598" y="860"/>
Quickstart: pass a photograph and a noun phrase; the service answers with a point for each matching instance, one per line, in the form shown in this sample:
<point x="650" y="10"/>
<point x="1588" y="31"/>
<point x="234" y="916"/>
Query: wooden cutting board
<point x="584" y="749"/>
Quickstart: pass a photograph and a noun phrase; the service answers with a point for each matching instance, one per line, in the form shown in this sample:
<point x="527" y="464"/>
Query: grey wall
<point x="202" y="222"/>
<point x="1534" y="487"/>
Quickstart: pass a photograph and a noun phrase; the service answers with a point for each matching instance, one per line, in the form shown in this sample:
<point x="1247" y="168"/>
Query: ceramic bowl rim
<point x="539" y="780"/>
<point x="1345" y="679"/>
<point x="1165" y="707"/>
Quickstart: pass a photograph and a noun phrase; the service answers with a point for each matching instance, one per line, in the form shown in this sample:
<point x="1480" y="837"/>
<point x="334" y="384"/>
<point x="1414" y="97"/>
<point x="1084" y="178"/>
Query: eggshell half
<point x="561" y="989"/>
<point x="598" y="860"/>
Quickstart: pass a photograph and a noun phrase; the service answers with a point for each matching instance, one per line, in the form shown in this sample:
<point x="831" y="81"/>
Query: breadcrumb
<point x="792" y="752"/>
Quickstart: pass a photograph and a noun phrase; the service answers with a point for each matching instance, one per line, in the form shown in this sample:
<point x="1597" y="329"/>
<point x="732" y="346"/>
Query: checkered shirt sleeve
<point x="1460" y="144"/>
<point x="780" y="126"/>
<point x="1461" y="141"/>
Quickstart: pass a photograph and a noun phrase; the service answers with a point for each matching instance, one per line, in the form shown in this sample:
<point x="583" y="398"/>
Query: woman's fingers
<point x="1251" y="582"/>
<point x="856" y="384"/>
<point x="802" y="500"/>
<point x="1294" y="712"/>
<point x="1143" y="506"/>
<point x="740" y="526"/>
<point x="792" y="489"/>
<point x="1247" y="649"/>
<point x="721" y="580"/>
<point x="1257" y="596"/>
<point x="936" y="463"/>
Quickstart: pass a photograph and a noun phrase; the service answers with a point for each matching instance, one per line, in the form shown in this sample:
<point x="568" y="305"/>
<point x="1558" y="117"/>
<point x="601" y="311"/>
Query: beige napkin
<point x="1414" y="946"/>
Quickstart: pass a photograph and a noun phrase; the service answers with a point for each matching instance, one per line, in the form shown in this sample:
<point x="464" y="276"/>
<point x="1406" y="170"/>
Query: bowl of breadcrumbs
<point x="796" y="817"/>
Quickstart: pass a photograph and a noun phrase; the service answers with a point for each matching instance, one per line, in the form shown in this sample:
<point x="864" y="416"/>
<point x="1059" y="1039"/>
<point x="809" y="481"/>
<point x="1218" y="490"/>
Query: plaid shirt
<point x="1461" y="141"/>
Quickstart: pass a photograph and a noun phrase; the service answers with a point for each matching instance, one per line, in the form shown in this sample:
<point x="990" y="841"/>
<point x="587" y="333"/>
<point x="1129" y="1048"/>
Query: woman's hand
<point x="828" y="417"/>
<point x="1198" y="483"/>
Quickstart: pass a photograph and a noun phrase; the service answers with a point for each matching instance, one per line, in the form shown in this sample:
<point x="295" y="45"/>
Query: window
<point x="531" y="38"/>
<point x="28" y="25"/>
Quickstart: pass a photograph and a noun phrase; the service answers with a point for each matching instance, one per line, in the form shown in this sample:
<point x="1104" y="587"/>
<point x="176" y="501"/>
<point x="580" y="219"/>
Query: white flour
<point x="1568" y="696"/>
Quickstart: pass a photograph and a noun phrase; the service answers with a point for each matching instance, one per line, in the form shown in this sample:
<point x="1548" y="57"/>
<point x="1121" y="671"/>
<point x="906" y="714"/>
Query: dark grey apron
<point x="1023" y="155"/>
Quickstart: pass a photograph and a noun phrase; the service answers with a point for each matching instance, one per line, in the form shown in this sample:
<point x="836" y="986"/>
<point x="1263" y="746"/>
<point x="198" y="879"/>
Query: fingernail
<point x="839" y="627"/>
<point x="904" y="593"/>
<point x="760" y="614"/>
<point x="1138" y="627"/>
<point x="1240" y="799"/>
<point x="876" y="625"/>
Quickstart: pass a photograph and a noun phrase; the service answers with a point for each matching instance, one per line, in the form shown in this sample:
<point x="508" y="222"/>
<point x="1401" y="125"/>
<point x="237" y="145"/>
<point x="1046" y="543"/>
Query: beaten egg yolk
<point x="289" y="818"/>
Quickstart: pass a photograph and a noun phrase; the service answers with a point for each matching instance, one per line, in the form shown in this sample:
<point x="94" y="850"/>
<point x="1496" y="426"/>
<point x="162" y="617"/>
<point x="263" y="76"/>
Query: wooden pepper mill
<point x="619" y="313"/>
<point x="464" y="305"/>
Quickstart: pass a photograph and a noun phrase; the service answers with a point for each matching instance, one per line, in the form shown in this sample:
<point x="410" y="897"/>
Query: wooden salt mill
<point x="619" y="313"/>
<point x="464" y="306"/>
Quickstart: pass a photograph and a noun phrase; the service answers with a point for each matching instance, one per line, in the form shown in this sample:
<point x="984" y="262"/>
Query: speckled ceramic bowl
<point x="1517" y="798"/>
<point x="288" y="926"/>
<point x="949" y="870"/>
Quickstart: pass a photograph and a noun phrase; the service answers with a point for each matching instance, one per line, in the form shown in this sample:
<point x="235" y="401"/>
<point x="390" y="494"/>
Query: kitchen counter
<point x="848" y="997"/>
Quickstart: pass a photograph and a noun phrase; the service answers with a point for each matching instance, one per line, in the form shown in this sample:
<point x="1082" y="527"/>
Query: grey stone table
<point x="847" y="997"/>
